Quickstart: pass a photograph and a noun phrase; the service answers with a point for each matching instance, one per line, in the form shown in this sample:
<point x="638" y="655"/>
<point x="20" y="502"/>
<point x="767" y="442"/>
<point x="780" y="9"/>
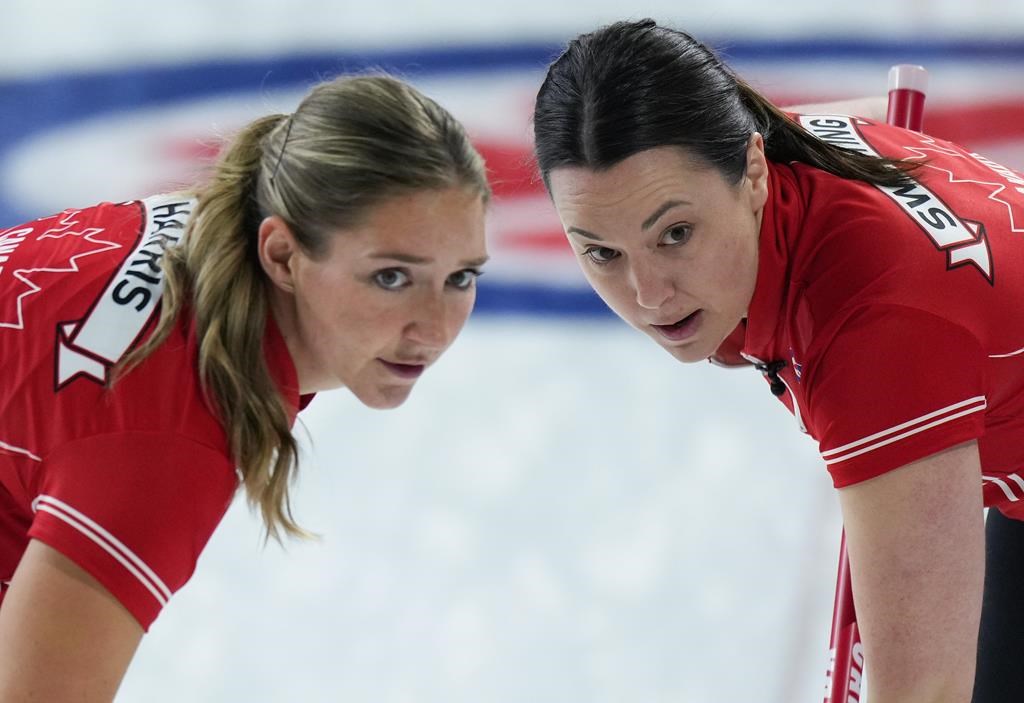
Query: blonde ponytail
<point x="216" y="274"/>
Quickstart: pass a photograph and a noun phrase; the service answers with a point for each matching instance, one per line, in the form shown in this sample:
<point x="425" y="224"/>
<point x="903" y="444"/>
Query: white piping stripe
<point x="1017" y="479"/>
<point x="107" y="548"/>
<point x="114" y="541"/>
<point x="796" y="407"/>
<point x="85" y="523"/>
<point x="18" y="450"/>
<point x="1006" y="356"/>
<point x="909" y="423"/>
<point x="1006" y="489"/>
<point x="908" y="433"/>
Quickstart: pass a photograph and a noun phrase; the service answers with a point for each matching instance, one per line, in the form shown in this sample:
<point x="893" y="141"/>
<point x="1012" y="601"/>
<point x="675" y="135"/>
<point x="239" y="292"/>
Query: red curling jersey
<point x="127" y="480"/>
<point x="899" y="311"/>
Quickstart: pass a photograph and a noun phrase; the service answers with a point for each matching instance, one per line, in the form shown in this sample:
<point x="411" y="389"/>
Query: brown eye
<point x="677" y="234"/>
<point x="600" y="255"/>
<point x="463" y="280"/>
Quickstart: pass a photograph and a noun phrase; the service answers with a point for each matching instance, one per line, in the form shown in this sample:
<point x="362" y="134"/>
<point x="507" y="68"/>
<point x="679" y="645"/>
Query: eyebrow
<point x="422" y="260"/>
<point x="583" y="232"/>
<point x="647" y="224"/>
<point x="665" y="207"/>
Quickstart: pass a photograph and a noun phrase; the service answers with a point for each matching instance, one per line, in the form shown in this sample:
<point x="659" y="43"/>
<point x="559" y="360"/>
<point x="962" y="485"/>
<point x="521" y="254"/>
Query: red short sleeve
<point x="134" y="510"/>
<point x="893" y="386"/>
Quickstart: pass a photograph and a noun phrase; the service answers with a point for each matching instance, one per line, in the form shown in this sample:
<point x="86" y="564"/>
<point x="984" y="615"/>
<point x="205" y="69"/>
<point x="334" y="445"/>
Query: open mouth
<point x="405" y="371"/>
<point x="682" y="329"/>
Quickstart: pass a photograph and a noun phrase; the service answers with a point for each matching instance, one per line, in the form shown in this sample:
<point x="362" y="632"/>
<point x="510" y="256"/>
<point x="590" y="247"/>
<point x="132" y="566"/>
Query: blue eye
<point x="391" y="279"/>
<point x="600" y="255"/>
<point x="463" y="280"/>
<point x="676" y="234"/>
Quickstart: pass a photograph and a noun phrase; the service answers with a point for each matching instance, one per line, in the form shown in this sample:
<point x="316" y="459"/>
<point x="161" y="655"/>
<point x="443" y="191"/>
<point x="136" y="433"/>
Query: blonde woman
<point x="155" y="354"/>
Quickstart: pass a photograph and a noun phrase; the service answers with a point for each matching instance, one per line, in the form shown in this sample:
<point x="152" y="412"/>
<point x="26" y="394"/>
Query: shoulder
<point x="889" y="384"/>
<point x="133" y="509"/>
<point x="844" y="238"/>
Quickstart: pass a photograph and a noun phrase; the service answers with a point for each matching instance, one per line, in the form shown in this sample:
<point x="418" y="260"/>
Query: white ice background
<point x="561" y="513"/>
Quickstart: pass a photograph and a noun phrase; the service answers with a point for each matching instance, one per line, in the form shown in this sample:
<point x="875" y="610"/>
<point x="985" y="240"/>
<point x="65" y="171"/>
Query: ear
<point x="756" y="175"/>
<point x="277" y="247"/>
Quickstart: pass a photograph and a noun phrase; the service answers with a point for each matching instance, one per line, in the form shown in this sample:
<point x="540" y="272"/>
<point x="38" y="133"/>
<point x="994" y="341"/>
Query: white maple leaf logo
<point x="996" y="191"/>
<point x="60" y="226"/>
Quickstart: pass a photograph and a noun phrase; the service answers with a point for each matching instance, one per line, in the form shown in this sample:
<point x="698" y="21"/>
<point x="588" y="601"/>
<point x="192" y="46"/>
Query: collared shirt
<point x="898" y="311"/>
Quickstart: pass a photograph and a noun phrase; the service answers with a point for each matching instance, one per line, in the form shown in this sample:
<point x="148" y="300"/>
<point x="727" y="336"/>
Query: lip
<point x="683" y="329"/>
<point x="404" y="371"/>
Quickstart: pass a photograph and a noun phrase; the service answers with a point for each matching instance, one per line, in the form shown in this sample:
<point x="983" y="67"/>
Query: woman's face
<point x="667" y="242"/>
<point x="385" y="299"/>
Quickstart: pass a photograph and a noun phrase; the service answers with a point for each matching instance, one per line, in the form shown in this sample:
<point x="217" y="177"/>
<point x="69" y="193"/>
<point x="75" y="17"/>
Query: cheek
<point x="613" y="290"/>
<point x="333" y="312"/>
<point x="319" y="322"/>
<point x="602" y="285"/>
<point x="741" y="268"/>
<point x="742" y="238"/>
<point x="462" y="310"/>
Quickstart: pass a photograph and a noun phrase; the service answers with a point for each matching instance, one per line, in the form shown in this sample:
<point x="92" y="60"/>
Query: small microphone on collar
<point x="771" y="372"/>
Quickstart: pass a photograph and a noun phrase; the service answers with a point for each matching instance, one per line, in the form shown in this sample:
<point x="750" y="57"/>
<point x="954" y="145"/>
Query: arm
<point x="62" y="635"/>
<point x="915" y="537"/>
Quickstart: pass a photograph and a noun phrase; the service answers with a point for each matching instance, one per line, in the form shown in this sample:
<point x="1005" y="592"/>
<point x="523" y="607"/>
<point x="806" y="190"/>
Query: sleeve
<point x="893" y="386"/>
<point x="134" y="510"/>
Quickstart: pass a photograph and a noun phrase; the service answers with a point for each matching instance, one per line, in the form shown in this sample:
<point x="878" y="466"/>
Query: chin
<point x="384" y="398"/>
<point x="695" y="351"/>
<point x="687" y="354"/>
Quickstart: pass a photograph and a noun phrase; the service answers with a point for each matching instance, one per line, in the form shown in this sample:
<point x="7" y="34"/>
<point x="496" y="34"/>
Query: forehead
<point x="647" y="174"/>
<point x="425" y="206"/>
<point x="423" y="222"/>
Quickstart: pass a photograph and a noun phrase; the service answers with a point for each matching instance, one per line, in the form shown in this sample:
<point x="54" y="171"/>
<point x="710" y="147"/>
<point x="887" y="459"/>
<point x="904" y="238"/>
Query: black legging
<point x="1000" y="677"/>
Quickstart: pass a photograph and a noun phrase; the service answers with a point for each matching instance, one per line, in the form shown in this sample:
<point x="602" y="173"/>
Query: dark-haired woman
<point x="872" y="275"/>
<point x="155" y="354"/>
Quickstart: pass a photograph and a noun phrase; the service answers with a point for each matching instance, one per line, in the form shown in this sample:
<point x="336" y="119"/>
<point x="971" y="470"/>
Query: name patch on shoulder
<point x="91" y="346"/>
<point x="963" y="241"/>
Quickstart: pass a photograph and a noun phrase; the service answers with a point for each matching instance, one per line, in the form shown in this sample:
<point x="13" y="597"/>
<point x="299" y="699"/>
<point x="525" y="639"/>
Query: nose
<point x="435" y="321"/>
<point x="653" y="286"/>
